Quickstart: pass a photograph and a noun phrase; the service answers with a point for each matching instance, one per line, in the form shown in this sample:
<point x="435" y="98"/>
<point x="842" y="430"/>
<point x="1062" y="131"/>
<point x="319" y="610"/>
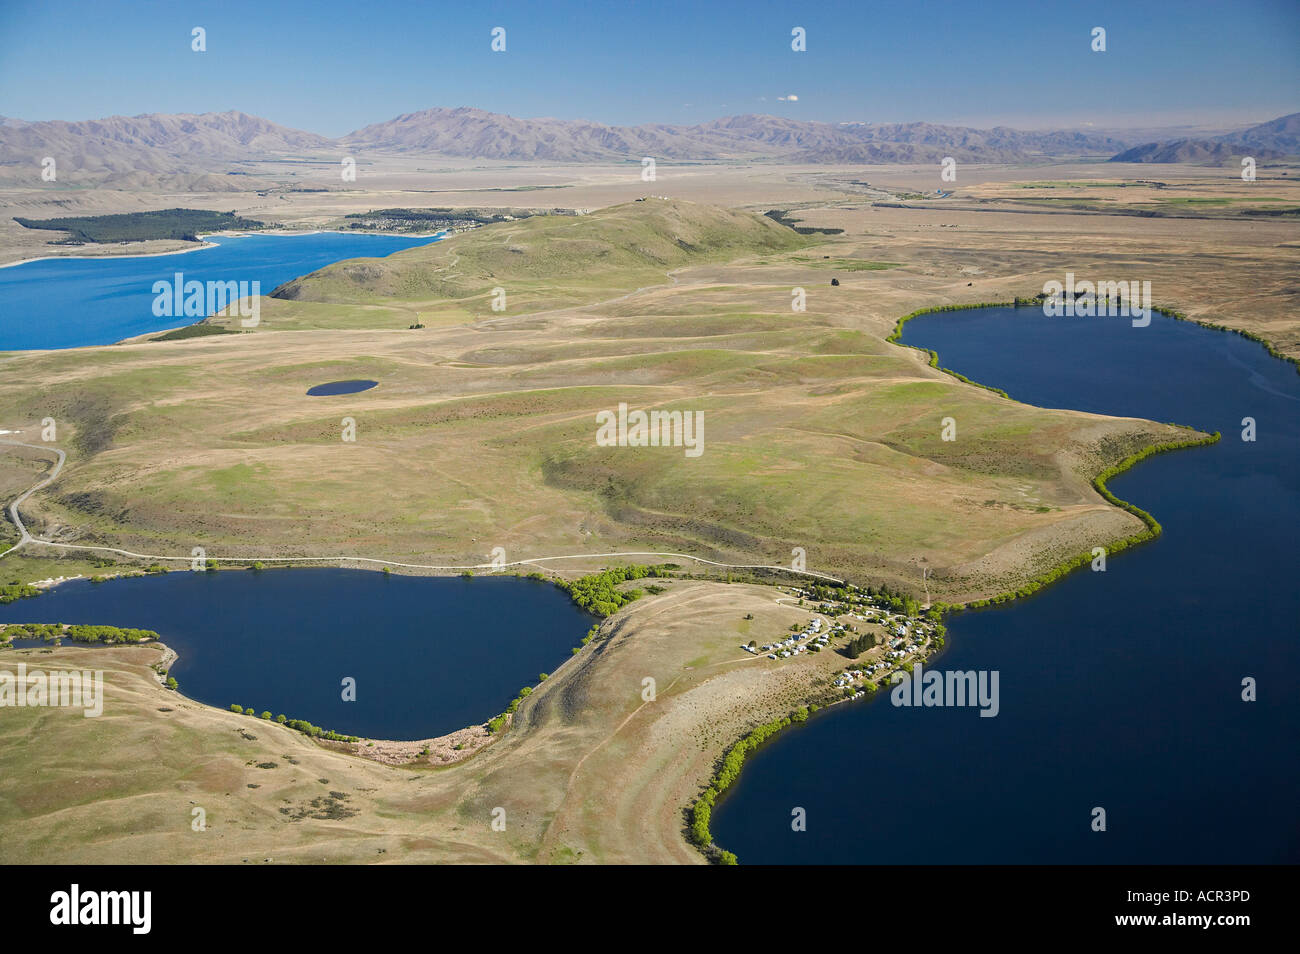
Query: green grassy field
<point x="816" y="435"/>
<point x="543" y="262"/>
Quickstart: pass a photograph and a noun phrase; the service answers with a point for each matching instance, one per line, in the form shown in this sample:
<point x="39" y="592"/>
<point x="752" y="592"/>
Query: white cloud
<point x="792" y="98"/>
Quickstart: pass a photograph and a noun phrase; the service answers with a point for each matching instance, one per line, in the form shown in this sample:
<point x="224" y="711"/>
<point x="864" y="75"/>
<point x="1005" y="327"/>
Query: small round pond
<point x="341" y="387"/>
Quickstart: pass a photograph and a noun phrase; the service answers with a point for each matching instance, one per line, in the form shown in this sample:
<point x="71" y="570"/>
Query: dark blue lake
<point x="72" y="302"/>
<point x="429" y="654"/>
<point x="1119" y="690"/>
<point x="341" y="387"/>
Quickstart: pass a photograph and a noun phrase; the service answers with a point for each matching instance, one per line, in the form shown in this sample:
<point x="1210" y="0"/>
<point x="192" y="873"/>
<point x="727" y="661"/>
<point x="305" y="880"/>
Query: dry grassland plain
<point x="818" y="434"/>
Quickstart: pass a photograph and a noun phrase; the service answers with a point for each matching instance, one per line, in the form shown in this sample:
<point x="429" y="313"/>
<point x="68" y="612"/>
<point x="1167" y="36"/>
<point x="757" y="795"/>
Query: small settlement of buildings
<point x="810" y="639"/>
<point x="903" y="639"/>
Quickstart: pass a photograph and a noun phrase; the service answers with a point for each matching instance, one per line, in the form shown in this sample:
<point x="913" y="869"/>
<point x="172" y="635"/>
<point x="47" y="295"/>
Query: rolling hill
<point x="630" y="244"/>
<point x="1192" y="150"/>
<point x="1274" y="139"/>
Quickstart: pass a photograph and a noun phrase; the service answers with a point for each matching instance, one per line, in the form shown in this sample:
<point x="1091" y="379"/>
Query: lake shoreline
<point x="895" y="337"/>
<point x="202" y="244"/>
<point x="130" y="291"/>
<point x="439" y="751"/>
<point x="750" y="743"/>
<point x="422" y="678"/>
<point x="725" y="778"/>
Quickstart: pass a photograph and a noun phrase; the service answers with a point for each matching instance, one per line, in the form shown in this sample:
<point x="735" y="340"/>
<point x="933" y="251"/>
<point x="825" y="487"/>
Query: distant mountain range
<point x="1271" y="140"/>
<point x="152" y="143"/>
<point x="190" y="148"/>
<point x="474" y="133"/>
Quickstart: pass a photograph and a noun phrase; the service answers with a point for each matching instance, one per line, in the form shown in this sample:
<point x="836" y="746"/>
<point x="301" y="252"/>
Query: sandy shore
<point x="108" y="255"/>
<point x="280" y="233"/>
<point x="443" y="750"/>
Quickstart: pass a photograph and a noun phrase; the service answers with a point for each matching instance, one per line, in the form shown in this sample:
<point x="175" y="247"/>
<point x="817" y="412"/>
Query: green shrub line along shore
<point x="77" y="633"/>
<point x="934" y="355"/>
<point x="733" y="760"/>
<point x="1260" y="339"/>
<point x="300" y="725"/>
<point x="1153" y="528"/>
<point x="731" y="763"/>
<point x="1019" y="302"/>
<point x="17" y="591"/>
<point x="728" y="772"/>
<point x="598" y="593"/>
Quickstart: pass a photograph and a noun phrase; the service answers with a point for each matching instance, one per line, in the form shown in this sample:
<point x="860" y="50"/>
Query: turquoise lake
<point x="74" y="302"/>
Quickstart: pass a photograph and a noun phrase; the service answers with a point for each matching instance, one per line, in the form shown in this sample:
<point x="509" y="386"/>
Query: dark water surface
<point x="1119" y="690"/>
<point x="341" y="387"/>
<point x="429" y="654"/>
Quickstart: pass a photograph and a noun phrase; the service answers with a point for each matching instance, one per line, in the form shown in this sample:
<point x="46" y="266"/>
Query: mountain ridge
<point x="1274" y="139"/>
<point x="474" y="133"/>
<point x="126" y="148"/>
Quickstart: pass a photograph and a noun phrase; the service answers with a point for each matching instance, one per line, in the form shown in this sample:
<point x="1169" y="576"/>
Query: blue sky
<point x="331" y="67"/>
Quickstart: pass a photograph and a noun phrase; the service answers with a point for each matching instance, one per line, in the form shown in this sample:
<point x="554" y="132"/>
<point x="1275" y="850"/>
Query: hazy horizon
<point x="322" y="68"/>
<point x="1172" y="124"/>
